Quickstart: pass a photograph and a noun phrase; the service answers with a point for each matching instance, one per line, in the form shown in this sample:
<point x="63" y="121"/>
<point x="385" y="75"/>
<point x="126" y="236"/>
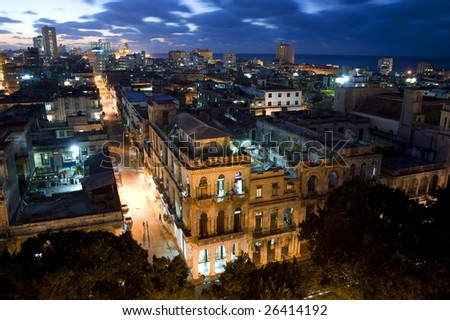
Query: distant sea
<point x="400" y="64"/>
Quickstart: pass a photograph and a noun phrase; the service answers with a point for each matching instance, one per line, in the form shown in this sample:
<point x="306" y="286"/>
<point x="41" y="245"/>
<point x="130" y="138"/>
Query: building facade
<point x="220" y="204"/>
<point x="285" y="53"/>
<point x="49" y="42"/>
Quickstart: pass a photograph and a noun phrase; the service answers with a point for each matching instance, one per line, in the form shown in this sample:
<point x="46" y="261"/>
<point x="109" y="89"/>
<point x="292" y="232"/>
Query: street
<point x="135" y="188"/>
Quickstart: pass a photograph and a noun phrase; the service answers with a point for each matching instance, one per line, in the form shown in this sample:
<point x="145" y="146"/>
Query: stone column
<point x="195" y="255"/>
<point x="278" y="244"/>
<point x="290" y="246"/>
<point x="228" y="249"/>
<point x="264" y="252"/>
<point x="212" y="261"/>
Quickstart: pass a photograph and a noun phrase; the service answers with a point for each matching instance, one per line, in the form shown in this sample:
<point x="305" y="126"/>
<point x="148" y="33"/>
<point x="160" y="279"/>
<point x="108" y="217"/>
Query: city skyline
<point x="382" y="27"/>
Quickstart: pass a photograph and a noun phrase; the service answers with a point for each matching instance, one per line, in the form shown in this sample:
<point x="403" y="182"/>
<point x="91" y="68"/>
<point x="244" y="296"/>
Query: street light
<point x="75" y="152"/>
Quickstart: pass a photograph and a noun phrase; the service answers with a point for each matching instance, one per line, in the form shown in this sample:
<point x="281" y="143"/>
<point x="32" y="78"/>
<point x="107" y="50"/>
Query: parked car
<point x="125" y="208"/>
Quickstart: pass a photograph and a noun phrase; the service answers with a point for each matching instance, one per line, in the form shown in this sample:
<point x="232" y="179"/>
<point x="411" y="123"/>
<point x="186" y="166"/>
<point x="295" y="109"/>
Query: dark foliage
<point x="90" y="265"/>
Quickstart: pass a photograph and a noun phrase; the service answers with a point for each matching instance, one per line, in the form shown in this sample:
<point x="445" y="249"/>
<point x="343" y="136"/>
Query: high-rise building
<point x="37" y="43"/>
<point x="285" y="53"/>
<point x="423" y="67"/>
<point x="385" y="65"/>
<point x="177" y="55"/>
<point x="101" y="45"/>
<point x="205" y="53"/>
<point x="31" y="57"/>
<point x="229" y="59"/>
<point x="49" y="42"/>
<point x="98" y="56"/>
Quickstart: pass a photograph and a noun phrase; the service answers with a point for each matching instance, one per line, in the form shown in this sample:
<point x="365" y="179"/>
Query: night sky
<point x="360" y="27"/>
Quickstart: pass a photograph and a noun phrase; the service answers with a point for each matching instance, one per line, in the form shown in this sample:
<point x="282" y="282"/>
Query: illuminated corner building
<point x="49" y="42"/>
<point x="385" y="65"/>
<point x="220" y="206"/>
<point x="285" y="53"/>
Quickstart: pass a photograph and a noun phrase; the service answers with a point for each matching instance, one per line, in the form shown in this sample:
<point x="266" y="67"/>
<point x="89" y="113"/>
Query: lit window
<point x="44" y="159"/>
<point x="259" y="191"/>
<point x="289" y="186"/>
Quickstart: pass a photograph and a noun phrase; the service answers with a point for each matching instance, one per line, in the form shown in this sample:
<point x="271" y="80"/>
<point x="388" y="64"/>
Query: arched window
<point x="203" y="187"/>
<point x="221" y="222"/>
<point x="401" y="185"/>
<point x="423" y="186"/>
<point x="221" y="186"/>
<point x="373" y="171"/>
<point x="312" y="184"/>
<point x="352" y="172"/>
<point x="332" y="181"/>
<point x="288" y="217"/>
<point x="238" y="184"/>
<point x="434" y="183"/>
<point x="237" y="220"/>
<point x="362" y="174"/>
<point x="412" y="190"/>
<point x="203" y="228"/>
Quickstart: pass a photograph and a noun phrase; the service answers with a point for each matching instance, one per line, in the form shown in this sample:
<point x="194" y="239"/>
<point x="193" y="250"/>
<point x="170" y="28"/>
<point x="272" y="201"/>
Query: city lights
<point x="234" y="165"/>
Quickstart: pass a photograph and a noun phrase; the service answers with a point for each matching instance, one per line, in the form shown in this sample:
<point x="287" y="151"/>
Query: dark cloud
<point x="45" y="21"/>
<point x="354" y="2"/>
<point x="396" y="27"/>
<point x="29" y="12"/>
<point x="5" y="32"/>
<point x="8" y="20"/>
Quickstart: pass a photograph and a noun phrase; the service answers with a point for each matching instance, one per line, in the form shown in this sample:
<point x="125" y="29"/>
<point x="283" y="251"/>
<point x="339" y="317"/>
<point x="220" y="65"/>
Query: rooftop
<point x="163" y="99"/>
<point x="135" y="97"/>
<point x="199" y="129"/>
<point x="62" y="205"/>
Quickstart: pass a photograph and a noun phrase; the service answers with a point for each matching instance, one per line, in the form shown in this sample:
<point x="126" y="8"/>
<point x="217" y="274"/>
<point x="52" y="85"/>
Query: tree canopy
<point x="90" y="265"/>
<point x="367" y="242"/>
<point x="373" y="242"/>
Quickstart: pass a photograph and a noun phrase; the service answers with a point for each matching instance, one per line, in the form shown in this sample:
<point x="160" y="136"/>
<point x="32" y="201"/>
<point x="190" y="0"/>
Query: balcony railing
<point x="270" y="232"/>
<point x="206" y="239"/>
<point x="222" y="199"/>
<point x="241" y="196"/>
<point x="204" y="202"/>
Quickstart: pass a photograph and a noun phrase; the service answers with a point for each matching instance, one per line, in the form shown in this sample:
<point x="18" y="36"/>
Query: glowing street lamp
<point x="342" y="80"/>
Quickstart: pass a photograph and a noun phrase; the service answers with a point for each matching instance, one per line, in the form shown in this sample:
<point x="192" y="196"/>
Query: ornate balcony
<point x="204" y="202"/>
<point x="241" y="196"/>
<point x="222" y="199"/>
<point x="270" y="232"/>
